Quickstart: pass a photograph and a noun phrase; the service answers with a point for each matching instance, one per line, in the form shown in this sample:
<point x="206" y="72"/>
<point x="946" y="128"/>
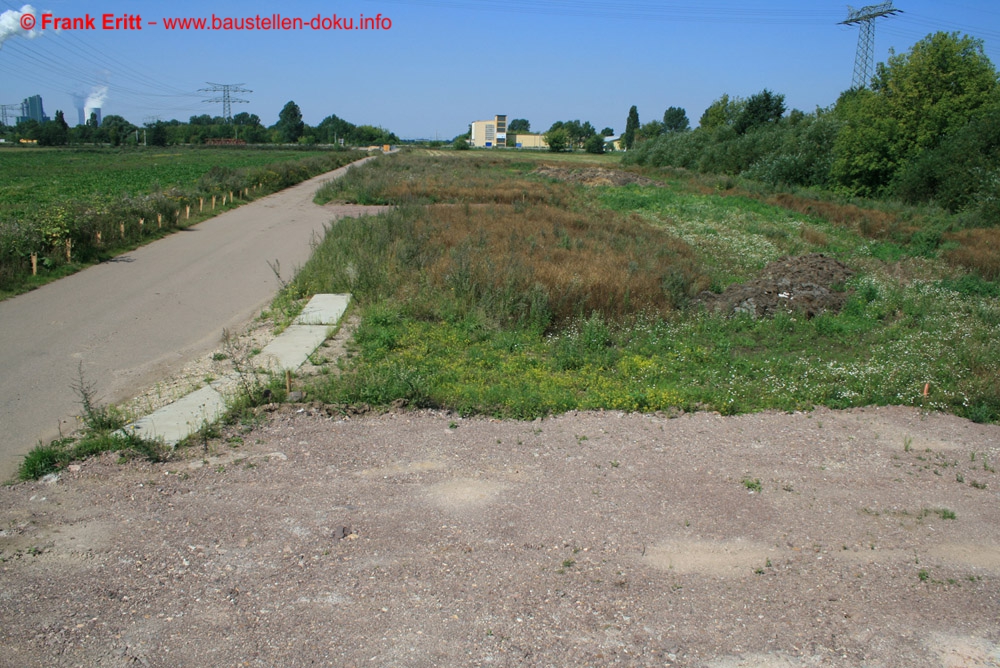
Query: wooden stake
<point x="187" y="216"/>
<point x="927" y="389"/>
<point x="159" y="220"/>
<point x="34" y="264"/>
<point x="142" y="222"/>
<point x="98" y="237"/>
<point x="121" y="226"/>
<point x="231" y="196"/>
<point x="201" y="204"/>
<point x="69" y="250"/>
<point x="223" y="200"/>
<point x="288" y="381"/>
<point x="213" y="202"/>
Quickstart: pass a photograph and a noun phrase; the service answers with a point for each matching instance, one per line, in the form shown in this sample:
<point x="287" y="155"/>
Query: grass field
<point x="36" y="177"/>
<point x="88" y="203"/>
<point x="494" y="289"/>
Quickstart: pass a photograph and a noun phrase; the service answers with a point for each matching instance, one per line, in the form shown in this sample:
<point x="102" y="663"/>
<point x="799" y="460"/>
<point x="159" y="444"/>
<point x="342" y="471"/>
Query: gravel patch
<point x="866" y="537"/>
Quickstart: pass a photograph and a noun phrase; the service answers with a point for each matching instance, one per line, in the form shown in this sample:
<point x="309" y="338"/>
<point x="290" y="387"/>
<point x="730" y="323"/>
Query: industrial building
<point x="31" y="109"/>
<point x="492" y="133"/>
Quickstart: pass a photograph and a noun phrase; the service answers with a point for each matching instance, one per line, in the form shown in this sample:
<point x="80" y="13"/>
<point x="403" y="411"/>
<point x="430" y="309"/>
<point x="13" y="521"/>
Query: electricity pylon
<point x="4" y="108"/>
<point x="226" y="99"/>
<point x="865" y="56"/>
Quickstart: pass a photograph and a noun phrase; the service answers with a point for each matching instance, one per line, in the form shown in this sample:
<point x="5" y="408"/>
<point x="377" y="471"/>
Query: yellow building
<point x="490" y="133"/>
<point x="528" y="140"/>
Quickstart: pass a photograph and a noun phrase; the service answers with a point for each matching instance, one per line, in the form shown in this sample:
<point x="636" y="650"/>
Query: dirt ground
<point x="811" y="283"/>
<point x="595" y="176"/>
<point x="868" y="537"/>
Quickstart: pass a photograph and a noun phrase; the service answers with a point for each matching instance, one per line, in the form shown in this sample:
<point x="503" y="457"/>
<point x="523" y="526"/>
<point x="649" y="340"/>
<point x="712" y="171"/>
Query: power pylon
<point x="865" y="56"/>
<point x="4" y="108"/>
<point x="226" y="99"/>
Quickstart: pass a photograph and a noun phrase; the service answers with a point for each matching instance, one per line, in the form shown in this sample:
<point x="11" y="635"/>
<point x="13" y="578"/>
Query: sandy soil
<point x="592" y="539"/>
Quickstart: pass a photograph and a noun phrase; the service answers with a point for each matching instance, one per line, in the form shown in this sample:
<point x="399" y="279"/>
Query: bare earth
<point x="592" y="539"/>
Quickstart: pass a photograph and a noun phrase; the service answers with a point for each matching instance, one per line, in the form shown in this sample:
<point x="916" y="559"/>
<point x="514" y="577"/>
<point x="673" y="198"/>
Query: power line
<point x="226" y="99"/>
<point x="864" y="59"/>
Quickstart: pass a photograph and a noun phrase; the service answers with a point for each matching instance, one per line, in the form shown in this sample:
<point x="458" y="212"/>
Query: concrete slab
<point x="175" y="422"/>
<point x="292" y="348"/>
<point x="324" y="310"/>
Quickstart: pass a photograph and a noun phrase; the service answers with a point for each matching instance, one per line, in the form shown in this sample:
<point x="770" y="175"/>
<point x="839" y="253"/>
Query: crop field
<point x="69" y="207"/>
<point x="37" y="178"/>
<point x="517" y="286"/>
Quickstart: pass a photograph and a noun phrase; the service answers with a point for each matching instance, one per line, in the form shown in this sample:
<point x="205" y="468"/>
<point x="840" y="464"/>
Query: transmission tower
<point x="865" y="56"/>
<point x="4" y="108"/>
<point x="226" y="99"/>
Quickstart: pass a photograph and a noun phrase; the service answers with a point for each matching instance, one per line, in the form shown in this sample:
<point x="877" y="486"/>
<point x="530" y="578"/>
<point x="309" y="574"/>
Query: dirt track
<point x="422" y="539"/>
<point x="134" y="320"/>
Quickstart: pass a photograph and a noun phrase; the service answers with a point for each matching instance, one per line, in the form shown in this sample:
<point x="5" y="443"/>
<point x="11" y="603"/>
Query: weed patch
<point x="521" y="309"/>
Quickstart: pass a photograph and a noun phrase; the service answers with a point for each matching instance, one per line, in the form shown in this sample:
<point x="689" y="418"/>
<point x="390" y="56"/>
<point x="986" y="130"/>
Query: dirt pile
<point x="811" y="284"/>
<point x="595" y="176"/>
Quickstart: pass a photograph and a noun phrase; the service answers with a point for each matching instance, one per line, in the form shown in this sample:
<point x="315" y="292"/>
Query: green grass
<point x="36" y="177"/>
<point x="100" y="202"/>
<point x="455" y="314"/>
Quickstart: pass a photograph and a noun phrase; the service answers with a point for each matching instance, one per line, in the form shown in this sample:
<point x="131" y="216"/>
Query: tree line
<point x="927" y="130"/>
<point x="115" y="130"/>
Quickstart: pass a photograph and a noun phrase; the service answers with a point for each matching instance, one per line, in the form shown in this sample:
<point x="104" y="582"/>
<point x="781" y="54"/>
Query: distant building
<point x="31" y="109"/>
<point x="490" y="133"/>
<point x="529" y="140"/>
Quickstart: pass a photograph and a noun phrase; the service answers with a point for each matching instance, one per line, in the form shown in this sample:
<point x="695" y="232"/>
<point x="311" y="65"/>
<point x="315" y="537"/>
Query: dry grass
<point x="811" y="235"/>
<point x="478" y="189"/>
<point x="979" y="251"/>
<point x="585" y="261"/>
<point x="869" y="223"/>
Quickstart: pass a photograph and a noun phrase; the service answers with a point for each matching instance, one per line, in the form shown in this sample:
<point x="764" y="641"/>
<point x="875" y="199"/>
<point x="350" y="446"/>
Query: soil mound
<point x="595" y="176"/>
<point x="811" y="284"/>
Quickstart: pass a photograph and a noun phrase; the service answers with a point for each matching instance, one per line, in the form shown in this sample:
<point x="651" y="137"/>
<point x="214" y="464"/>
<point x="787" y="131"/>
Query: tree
<point x="675" y="120"/>
<point x="723" y="111"/>
<point x="915" y="101"/>
<point x="460" y="144"/>
<point x="290" y="126"/>
<point x="519" y="125"/>
<point x="116" y="129"/>
<point x="595" y="144"/>
<point x="557" y="139"/>
<point x="935" y="87"/>
<point x="763" y="108"/>
<point x="157" y="134"/>
<point x="650" y="130"/>
<point x="246" y="119"/>
<point x="631" y="126"/>
<point x="54" y="132"/>
<point x="608" y="132"/>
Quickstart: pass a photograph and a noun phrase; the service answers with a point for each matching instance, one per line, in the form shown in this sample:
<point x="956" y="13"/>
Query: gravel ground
<point x="833" y="538"/>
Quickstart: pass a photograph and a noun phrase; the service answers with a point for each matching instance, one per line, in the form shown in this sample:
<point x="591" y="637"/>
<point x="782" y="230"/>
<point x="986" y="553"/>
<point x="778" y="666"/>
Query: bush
<point x="594" y="145"/>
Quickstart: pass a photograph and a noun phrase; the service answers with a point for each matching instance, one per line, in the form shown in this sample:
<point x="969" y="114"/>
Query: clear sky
<point x="445" y="63"/>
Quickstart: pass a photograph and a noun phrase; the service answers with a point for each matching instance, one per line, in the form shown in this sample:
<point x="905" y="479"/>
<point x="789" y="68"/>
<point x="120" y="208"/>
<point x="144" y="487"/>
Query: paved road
<point x="148" y="313"/>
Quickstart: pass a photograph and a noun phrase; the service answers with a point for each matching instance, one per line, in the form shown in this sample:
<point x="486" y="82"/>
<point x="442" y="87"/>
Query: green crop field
<point x="34" y="178"/>
<point x="62" y="209"/>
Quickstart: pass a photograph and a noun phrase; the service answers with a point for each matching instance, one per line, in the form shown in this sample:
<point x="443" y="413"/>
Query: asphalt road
<point x="145" y="314"/>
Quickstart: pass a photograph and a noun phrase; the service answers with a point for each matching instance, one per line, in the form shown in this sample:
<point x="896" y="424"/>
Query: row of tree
<point x="116" y="131"/>
<point x="567" y="135"/>
<point x="927" y="130"/>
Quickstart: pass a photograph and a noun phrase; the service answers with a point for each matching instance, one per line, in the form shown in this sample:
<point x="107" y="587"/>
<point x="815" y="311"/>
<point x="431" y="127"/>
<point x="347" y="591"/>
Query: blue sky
<point x="445" y="63"/>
